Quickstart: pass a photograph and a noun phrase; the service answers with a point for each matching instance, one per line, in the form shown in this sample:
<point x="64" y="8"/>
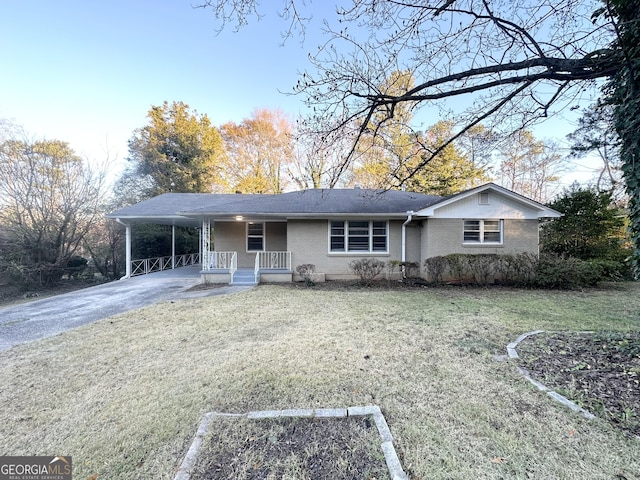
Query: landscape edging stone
<point x="511" y="351"/>
<point x="390" y="455"/>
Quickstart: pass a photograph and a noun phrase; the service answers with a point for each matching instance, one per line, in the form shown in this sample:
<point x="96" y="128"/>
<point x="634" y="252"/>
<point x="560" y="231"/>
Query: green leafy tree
<point x="177" y="151"/>
<point x="592" y="227"/>
<point x="449" y="171"/>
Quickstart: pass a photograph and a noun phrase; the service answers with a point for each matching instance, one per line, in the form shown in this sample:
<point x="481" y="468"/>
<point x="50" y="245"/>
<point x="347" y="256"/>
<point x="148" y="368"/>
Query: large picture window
<point x="255" y="237"/>
<point x="483" y="231"/>
<point x="358" y="236"/>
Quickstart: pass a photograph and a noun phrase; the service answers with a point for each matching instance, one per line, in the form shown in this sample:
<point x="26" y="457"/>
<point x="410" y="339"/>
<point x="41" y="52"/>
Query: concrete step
<point x="243" y="277"/>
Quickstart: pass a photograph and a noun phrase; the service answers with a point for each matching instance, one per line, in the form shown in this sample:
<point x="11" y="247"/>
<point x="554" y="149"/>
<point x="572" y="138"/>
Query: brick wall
<point x="444" y="236"/>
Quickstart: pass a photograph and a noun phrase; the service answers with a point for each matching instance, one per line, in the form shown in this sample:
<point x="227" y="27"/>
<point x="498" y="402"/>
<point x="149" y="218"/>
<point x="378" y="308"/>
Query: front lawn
<point x="124" y="396"/>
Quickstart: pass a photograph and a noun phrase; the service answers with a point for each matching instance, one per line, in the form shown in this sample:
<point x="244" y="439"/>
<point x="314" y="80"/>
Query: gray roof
<point x="182" y="208"/>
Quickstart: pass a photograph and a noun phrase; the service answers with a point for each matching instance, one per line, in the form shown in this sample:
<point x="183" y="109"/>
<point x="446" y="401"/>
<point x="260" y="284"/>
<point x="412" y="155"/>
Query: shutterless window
<point x="358" y="236"/>
<point x="483" y="231"/>
<point x="255" y="237"/>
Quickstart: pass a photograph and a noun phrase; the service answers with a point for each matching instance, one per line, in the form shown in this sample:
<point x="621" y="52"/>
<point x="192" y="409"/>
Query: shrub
<point x="482" y="267"/>
<point x="458" y="265"/>
<point x="75" y="266"/>
<point x="306" y="271"/>
<point x="392" y="266"/>
<point x="435" y="268"/>
<point x="555" y="271"/>
<point x="560" y="271"/>
<point x="411" y="269"/>
<point x="367" y="269"/>
<point x="519" y="269"/>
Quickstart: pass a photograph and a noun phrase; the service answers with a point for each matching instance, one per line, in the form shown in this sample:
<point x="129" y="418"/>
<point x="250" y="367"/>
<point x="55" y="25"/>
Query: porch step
<point x="243" y="277"/>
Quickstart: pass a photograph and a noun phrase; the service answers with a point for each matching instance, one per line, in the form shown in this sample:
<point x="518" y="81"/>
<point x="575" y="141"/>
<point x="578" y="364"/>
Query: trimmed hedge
<point x="524" y="269"/>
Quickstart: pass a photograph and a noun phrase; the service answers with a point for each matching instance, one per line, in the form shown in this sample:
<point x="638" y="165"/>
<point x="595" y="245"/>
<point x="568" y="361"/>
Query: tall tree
<point x="518" y="62"/>
<point x="450" y="171"/>
<point x="49" y="200"/>
<point x="388" y="143"/>
<point x="318" y="162"/>
<point x="596" y="134"/>
<point x="623" y="91"/>
<point x="259" y="150"/>
<point x="177" y="151"/>
<point x="528" y="166"/>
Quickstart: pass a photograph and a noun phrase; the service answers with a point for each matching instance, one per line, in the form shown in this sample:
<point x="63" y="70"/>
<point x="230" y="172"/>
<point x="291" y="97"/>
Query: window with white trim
<point x="358" y="236"/>
<point x="255" y="237"/>
<point x="483" y="231"/>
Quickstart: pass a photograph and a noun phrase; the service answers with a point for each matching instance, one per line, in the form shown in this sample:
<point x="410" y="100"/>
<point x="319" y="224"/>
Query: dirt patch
<point x="598" y="371"/>
<point x="301" y="448"/>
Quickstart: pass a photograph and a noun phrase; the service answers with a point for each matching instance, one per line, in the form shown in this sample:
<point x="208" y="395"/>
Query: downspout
<point x="404" y="241"/>
<point x="127" y="248"/>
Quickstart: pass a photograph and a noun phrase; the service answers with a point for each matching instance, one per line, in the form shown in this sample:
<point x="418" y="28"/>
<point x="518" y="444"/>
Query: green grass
<point x="124" y="396"/>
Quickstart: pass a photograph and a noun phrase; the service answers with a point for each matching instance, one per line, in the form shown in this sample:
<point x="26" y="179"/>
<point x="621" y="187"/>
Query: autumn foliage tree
<point x="259" y="150"/>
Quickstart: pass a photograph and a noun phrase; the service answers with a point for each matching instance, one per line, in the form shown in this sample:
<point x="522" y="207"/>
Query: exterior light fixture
<point x="239" y="218"/>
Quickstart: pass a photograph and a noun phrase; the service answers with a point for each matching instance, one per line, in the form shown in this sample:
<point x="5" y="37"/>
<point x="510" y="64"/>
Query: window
<point x="483" y="231"/>
<point x="358" y="236"/>
<point x="255" y="237"/>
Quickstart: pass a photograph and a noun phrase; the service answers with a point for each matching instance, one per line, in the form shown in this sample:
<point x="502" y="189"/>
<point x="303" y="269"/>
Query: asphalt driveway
<point x="53" y="315"/>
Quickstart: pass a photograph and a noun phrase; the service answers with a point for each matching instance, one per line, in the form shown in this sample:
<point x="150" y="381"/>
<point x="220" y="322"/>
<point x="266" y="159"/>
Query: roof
<point x="184" y="208"/>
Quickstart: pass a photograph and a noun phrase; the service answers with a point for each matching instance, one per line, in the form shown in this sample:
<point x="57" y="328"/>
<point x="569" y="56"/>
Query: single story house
<point x="265" y="236"/>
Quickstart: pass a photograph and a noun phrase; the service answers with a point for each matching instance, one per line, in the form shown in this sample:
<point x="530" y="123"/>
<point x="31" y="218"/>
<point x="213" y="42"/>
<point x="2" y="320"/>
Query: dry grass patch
<point x="124" y="395"/>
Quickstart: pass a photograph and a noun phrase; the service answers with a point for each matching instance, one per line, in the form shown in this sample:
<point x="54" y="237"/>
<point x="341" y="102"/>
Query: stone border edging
<point x="390" y="455"/>
<point x="511" y="352"/>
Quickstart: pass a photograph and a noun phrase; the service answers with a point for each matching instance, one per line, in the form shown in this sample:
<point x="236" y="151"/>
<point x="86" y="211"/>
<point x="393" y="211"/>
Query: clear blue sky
<point x="87" y="71"/>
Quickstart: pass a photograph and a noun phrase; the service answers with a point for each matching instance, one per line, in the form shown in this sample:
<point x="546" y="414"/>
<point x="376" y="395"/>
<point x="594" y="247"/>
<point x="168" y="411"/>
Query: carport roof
<point x="189" y="208"/>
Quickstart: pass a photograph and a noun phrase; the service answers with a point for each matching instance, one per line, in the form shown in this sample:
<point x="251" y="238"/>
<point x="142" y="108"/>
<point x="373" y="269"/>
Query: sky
<point x="88" y="71"/>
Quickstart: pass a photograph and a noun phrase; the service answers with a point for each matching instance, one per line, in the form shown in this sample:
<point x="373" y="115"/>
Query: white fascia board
<point x="544" y="212"/>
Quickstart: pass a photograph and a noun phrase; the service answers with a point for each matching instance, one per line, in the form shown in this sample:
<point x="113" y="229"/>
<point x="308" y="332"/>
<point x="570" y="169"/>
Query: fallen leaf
<point x="93" y="477"/>
<point x="498" y="460"/>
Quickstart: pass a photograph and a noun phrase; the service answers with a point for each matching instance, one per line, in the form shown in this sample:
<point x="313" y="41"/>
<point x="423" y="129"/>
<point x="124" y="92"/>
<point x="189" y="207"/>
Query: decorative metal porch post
<point x="173" y="247"/>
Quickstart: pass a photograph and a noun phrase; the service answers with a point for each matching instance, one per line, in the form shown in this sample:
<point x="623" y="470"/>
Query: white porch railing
<point x="222" y="260"/>
<point x="273" y="260"/>
<point x="158" y="264"/>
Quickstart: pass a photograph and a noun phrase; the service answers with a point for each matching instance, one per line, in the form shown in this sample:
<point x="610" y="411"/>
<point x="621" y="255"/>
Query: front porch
<point x="222" y="267"/>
